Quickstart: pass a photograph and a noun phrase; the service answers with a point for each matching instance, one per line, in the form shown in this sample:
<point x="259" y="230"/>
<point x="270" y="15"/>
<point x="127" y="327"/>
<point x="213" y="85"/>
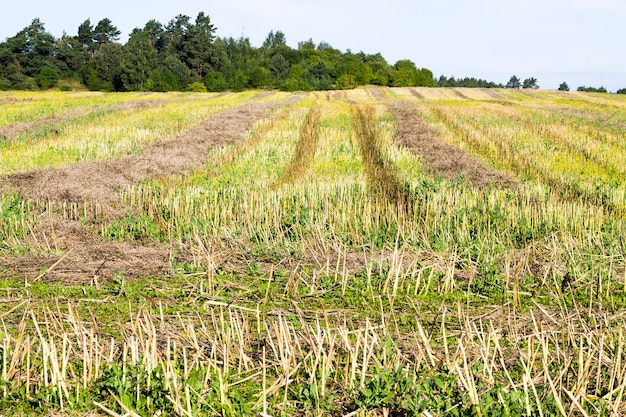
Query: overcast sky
<point x="582" y="42"/>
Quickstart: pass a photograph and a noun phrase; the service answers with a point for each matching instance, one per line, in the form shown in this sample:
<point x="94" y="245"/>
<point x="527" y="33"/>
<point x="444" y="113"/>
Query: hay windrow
<point x="445" y="160"/>
<point x="100" y="181"/>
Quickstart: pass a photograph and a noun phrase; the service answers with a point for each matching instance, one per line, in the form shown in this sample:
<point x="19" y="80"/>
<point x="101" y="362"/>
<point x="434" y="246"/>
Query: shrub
<point x="197" y="87"/>
<point x="215" y="82"/>
<point x="47" y="78"/>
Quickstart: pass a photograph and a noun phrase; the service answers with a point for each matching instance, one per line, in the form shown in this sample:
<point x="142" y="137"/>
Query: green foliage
<point x="161" y="80"/>
<point x="197" y="87"/>
<point x="138" y="60"/>
<point x="105" y="32"/>
<point x="591" y="89"/>
<point x="47" y="78"/>
<point x="530" y="83"/>
<point x="406" y="74"/>
<point x="238" y="81"/>
<point x="469" y="82"/>
<point x="133" y="228"/>
<point x="514" y="82"/>
<point x="563" y="86"/>
<point x="170" y="57"/>
<point x="136" y="389"/>
<point x="215" y="82"/>
<point x="346" y="82"/>
<point x="14" y="219"/>
<point x="404" y="392"/>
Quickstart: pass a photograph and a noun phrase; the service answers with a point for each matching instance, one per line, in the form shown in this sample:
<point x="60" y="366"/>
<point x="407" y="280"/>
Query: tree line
<point x="514" y="82"/>
<point x="184" y="55"/>
<point x="470" y="82"/>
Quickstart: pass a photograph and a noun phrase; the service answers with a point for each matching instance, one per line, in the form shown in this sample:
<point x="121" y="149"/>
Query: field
<point x="372" y="252"/>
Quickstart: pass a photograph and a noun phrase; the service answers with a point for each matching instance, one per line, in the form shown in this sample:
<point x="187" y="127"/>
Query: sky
<point x="581" y="42"/>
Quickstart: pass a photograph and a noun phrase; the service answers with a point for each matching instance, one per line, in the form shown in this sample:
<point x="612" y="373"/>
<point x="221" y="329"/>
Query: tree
<point x="86" y="35"/>
<point x="165" y="58"/>
<point x="137" y="61"/>
<point x="156" y="33"/>
<point x="621" y="91"/>
<point x="105" y="32"/>
<point x="405" y="74"/>
<point x="319" y="76"/>
<point x="425" y="78"/>
<point x="353" y="65"/>
<point x="23" y="56"/>
<point x="197" y="46"/>
<point x="346" y="82"/>
<point x="563" y="86"/>
<point x="275" y="40"/>
<point x="259" y="77"/>
<point x="380" y="69"/>
<point x="592" y="89"/>
<point x="279" y="67"/>
<point x="530" y="83"/>
<point x="106" y="68"/>
<point x="215" y="81"/>
<point x="69" y="55"/>
<point x="514" y="82"/>
<point x="178" y="69"/>
<point x="175" y="32"/>
<point x="38" y="48"/>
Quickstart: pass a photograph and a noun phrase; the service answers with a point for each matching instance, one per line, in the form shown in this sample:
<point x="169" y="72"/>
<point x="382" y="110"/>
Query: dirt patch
<point x="492" y="93"/>
<point x="527" y="92"/>
<point x="444" y="159"/>
<point x="80" y="257"/>
<point x="461" y="94"/>
<point x="377" y="94"/>
<point x="75" y="254"/>
<point x="12" y="100"/>
<point x="416" y="93"/>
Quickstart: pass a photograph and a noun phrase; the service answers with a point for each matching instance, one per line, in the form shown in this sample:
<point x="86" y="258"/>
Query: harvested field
<point x="406" y="251"/>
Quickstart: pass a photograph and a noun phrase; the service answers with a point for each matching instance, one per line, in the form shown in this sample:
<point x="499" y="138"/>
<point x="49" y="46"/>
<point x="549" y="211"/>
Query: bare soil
<point x="460" y="94"/>
<point x="377" y="94"/>
<point x="492" y="93"/>
<point x="78" y="256"/>
<point x="71" y="252"/>
<point x="443" y="159"/>
<point x="416" y="94"/>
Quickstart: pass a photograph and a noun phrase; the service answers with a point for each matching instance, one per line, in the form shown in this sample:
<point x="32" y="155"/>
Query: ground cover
<point x="371" y="252"/>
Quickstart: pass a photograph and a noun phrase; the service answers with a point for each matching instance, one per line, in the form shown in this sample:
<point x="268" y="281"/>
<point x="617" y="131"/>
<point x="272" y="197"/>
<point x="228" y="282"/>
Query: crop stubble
<point x="98" y="183"/>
